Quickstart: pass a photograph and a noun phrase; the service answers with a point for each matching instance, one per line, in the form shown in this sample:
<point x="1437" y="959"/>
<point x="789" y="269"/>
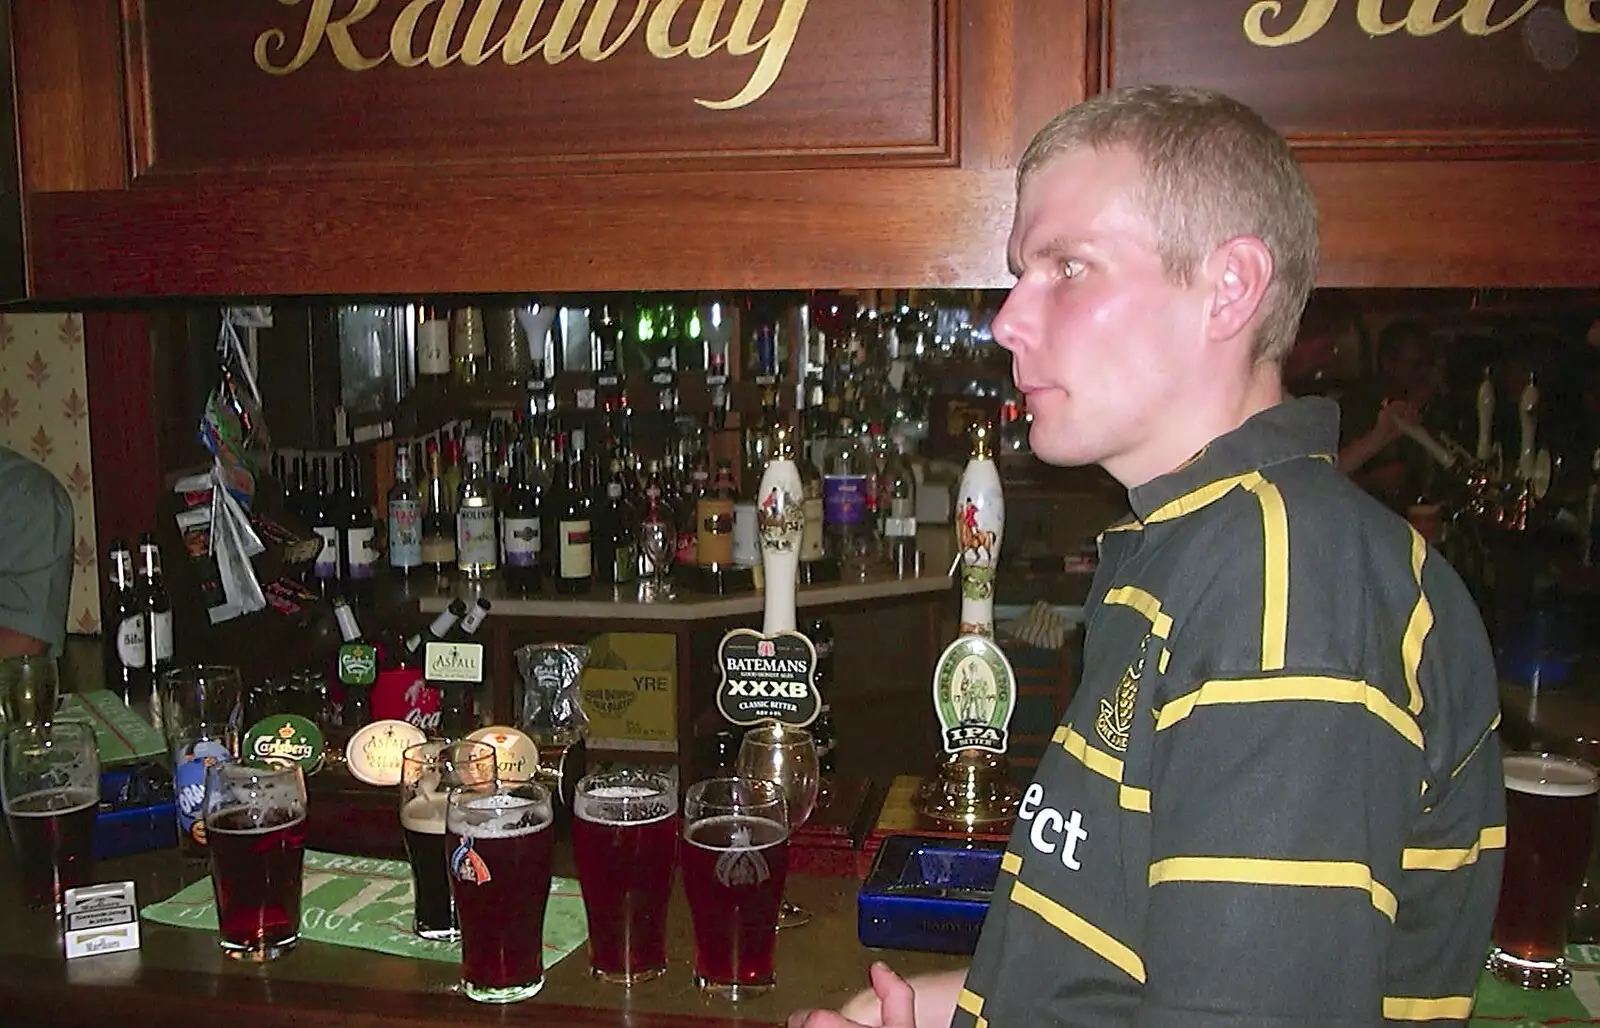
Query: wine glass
<point x="657" y="545"/>
<point x="786" y="757"/>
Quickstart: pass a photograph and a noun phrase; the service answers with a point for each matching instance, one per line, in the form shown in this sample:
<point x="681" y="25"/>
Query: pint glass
<point x="624" y="838"/>
<point x="428" y="771"/>
<point x="735" y="860"/>
<point x="1550" y="815"/>
<point x="30" y="684"/>
<point x="52" y="789"/>
<point x="499" y="840"/>
<point x="255" y="820"/>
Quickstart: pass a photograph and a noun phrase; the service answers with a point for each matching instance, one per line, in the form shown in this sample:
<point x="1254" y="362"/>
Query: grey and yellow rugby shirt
<point x="1276" y="796"/>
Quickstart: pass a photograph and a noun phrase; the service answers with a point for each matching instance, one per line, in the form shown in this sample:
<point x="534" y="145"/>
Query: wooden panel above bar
<point x="1474" y="76"/>
<point x="514" y="85"/>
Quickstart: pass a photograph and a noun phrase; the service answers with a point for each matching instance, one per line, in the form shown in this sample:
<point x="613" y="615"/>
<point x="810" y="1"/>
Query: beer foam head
<point x="624" y="800"/>
<point x="1548" y="775"/>
<point x="48" y="802"/>
<point x="498" y="815"/>
<point x="424" y="813"/>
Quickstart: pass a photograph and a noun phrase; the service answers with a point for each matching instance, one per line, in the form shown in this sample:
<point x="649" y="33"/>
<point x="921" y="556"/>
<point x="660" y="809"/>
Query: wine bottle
<point x="574" y="525"/>
<point x="405" y="516"/>
<point x="522" y="534"/>
<point x="360" y="531"/>
<point x="477" y="550"/>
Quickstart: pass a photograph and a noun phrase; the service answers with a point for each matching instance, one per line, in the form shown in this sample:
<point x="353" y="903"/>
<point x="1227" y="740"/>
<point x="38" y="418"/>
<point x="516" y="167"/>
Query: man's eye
<point x="1071" y="268"/>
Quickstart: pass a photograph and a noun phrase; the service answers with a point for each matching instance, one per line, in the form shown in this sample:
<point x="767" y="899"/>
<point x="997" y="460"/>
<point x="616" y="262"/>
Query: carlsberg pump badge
<point x="974" y="695"/>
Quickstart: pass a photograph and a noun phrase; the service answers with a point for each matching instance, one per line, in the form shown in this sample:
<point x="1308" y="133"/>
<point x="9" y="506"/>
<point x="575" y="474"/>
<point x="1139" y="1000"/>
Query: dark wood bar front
<point x="180" y="975"/>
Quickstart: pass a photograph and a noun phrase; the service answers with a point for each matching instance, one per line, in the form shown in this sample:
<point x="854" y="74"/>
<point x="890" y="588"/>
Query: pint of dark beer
<point x="255" y="820"/>
<point x="52" y="790"/>
<point x="735" y="861"/>
<point x="428" y="771"/>
<point x="624" y="839"/>
<point x="1550" y="815"/>
<point x="498" y="842"/>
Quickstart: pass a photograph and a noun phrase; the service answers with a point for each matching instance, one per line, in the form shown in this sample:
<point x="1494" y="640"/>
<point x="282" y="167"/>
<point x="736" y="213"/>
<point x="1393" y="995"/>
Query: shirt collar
<point x="1306" y="427"/>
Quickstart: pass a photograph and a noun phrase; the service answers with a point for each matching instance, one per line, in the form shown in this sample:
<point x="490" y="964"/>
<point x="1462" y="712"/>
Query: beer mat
<point x="366" y="903"/>
<point x="1506" y="1006"/>
<point x="121" y="736"/>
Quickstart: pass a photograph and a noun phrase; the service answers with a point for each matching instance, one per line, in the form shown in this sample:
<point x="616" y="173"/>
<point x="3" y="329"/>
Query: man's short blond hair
<point x="1213" y="170"/>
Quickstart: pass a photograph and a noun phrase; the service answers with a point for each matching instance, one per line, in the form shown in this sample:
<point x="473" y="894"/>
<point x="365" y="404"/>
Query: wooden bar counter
<point x="180" y="976"/>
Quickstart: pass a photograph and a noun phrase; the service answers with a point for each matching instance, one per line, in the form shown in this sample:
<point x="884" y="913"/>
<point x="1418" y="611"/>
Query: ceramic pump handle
<point x="1485" y="450"/>
<point x="780" y="519"/>
<point x="1527" y="409"/>
<point x="980" y="528"/>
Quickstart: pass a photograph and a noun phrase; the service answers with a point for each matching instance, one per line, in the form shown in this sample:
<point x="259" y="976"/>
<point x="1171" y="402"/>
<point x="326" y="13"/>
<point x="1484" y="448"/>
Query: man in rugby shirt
<point x="1276" y="798"/>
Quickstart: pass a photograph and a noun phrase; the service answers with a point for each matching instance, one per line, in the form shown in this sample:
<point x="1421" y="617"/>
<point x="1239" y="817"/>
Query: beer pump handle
<point x="980" y="527"/>
<point x="1485" y="450"/>
<point x="780" y="518"/>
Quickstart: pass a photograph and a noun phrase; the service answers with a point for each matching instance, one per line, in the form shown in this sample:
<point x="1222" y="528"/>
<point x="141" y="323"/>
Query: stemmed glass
<point x="657" y="545"/>
<point x="787" y="757"/>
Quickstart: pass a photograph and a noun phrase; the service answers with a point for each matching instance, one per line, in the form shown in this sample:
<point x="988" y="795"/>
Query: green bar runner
<point x="367" y="903"/>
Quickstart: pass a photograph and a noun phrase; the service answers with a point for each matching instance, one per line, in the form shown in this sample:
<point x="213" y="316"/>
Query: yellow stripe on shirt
<point x="1415" y="858"/>
<point x="1416" y="1008"/>
<point x="1205" y="495"/>
<point x="1144" y="603"/>
<point x="1288" y="689"/>
<point x="972" y="1003"/>
<point x="1275" y="563"/>
<point x="1417" y="628"/>
<point x="1095" y="760"/>
<point x="1329" y="874"/>
<point x="1079" y="930"/>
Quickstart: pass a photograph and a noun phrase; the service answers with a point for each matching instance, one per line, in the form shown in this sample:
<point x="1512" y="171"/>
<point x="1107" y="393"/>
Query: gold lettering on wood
<point x="600" y="37"/>
<point x="1422" y="18"/>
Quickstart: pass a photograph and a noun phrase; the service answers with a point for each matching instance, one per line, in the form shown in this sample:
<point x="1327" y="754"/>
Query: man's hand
<point x="1394" y="416"/>
<point x="890" y="1003"/>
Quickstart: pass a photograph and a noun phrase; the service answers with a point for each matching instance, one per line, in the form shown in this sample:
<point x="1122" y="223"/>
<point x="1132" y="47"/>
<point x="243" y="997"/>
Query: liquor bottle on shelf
<point x="156" y="608"/>
<point x="355" y="668"/>
<point x="468" y="349"/>
<point x="845" y="485"/>
<point x="438" y="519"/>
<point x="897" y="512"/>
<point x="452" y="470"/>
<point x="127" y="673"/>
<point x="624" y="548"/>
<point x="656" y="537"/>
<point x="718" y="331"/>
<point x="521" y="532"/>
<point x="456" y="668"/>
<point x="660" y="342"/>
<point x="574" y="523"/>
<point x="360" y="533"/>
<point x="684" y="507"/>
<point x="432" y="342"/>
<point x="714" y="520"/>
<point x="477" y="551"/>
<point x="405" y="516"/>
<point x="324" y="519"/>
<point x="339" y="511"/>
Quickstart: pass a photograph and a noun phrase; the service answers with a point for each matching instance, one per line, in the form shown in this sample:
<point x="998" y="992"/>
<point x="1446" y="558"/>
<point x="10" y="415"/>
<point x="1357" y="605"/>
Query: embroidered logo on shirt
<point x="1115" y="719"/>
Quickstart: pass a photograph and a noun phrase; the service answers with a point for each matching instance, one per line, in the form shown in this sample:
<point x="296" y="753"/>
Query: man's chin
<point x="1052" y="448"/>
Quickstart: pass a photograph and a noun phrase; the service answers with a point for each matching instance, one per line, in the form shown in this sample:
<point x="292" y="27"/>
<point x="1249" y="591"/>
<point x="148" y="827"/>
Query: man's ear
<point x="1239" y="272"/>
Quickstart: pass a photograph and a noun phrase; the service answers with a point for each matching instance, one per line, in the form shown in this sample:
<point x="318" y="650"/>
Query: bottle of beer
<point x="522" y="532"/>
<point x="714" y="520"/>
<point x="357" y="667"/>
<point x="360" y="531"/>
<point x="438" y="518"/>
<point x="574" y="525"/>
<point x="438" y="630"/>
<point x="323" y="517"/>
<point x="127" y="674"/>
<point x="477" y="550"/>
<point x="156" y="607"/>
<point x="405" y="516"/>
<point x="458" y="672"/>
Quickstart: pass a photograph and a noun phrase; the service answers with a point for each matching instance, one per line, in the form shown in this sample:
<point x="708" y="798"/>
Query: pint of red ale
<point x="498" y="840"/>
<point x="52" y="790"/>
<point x="625" y="840"/>
<point x="255" y="820"/>
<point x="1550" y="815"/>
<point x="735" y="862"/>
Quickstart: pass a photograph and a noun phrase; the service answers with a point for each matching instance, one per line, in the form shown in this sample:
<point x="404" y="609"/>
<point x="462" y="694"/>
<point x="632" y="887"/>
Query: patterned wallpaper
<point x="44" y="415"/>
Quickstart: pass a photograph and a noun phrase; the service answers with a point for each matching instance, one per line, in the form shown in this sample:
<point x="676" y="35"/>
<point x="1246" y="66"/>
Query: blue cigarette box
<point x="926" y="893"/>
